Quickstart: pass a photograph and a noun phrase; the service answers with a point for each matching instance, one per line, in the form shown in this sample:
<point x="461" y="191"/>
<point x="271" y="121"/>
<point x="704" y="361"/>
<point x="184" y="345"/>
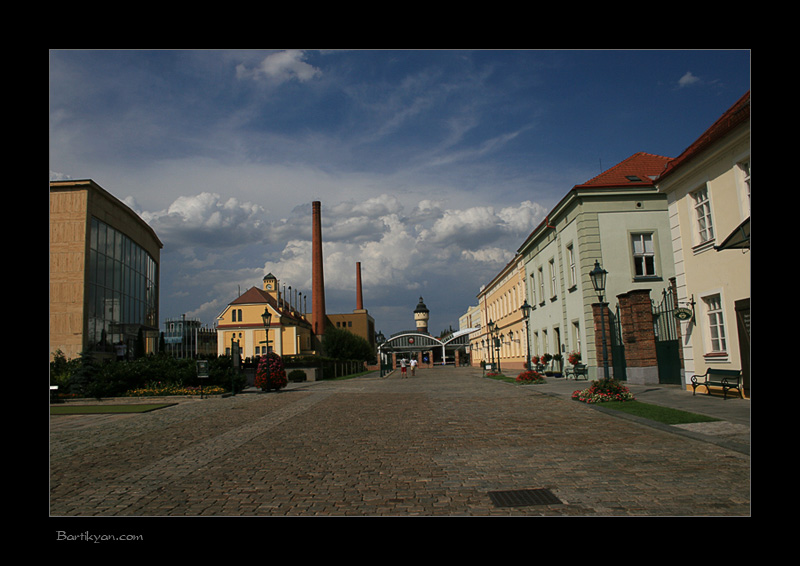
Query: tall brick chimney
<point x="318" y="280"/>
<point x="359" y="297"/>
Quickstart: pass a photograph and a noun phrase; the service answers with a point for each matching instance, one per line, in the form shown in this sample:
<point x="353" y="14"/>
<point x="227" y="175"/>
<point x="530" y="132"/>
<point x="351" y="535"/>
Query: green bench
<point x="724" y="378"/>
<point x="575" y="371"/>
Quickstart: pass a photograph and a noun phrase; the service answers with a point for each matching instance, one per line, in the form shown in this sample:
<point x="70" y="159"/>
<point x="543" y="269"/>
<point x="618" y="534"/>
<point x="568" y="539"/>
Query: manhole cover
<point x="523" y="498"/>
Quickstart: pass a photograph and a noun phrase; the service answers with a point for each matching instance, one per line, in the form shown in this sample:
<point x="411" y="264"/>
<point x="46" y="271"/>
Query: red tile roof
<point x="254" y="295"/>
<point x="735" y="115"/>
<point x="640" y="169"/>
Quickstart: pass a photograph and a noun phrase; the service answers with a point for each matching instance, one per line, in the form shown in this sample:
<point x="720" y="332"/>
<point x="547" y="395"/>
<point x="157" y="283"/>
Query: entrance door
<point x="743" y="326"/>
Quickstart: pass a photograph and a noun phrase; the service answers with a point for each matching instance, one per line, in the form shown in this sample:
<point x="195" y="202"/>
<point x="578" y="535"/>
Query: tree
<point x="344" y="345"/>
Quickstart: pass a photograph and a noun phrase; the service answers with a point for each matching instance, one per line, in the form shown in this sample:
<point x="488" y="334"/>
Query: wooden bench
<point x="725" y="378"/>
<point x="576" y="370"/>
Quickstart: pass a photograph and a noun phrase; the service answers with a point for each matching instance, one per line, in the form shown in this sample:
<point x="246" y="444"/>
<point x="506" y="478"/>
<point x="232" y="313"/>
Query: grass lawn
<point x="657" y="413"/>
<point x="105" y="409"/>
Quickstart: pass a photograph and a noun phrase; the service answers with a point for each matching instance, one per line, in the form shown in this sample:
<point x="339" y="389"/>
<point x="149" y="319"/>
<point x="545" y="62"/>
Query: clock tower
<point x="271" y="285"/>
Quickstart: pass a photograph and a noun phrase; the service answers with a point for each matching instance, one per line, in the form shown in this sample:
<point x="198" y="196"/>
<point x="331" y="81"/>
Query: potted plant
<point x="271" y="374"/>
<point x="557" y="360"/>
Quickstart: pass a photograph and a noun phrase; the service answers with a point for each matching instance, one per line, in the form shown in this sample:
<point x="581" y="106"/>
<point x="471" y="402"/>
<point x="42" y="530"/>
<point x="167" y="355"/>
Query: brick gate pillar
<point x="638" y="336"/>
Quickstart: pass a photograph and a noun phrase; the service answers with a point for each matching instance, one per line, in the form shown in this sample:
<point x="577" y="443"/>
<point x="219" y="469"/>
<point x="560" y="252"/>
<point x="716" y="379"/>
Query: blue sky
<point x="431" y="166"/>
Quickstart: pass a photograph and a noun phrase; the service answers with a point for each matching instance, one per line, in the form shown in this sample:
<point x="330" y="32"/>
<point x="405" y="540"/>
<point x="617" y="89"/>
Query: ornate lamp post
<point x="491" y="326"/>
<point x="495" y="342"/>
<point x="526" y="311"/>
<point x="380" y="339"/>
<point x="598" y="275"/>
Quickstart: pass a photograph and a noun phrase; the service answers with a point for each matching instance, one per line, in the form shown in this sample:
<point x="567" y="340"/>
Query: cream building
<point x="617" y="219"/>
<point x="708" y="191"/>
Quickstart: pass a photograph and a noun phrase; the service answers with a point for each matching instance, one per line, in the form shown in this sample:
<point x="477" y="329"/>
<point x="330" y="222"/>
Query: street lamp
<point x="491" y="327"/>
<point x="598" y="275"/>
<point x="380" y="339"/>
<point x="526" y="311"/>
<point x="266" y="319"/>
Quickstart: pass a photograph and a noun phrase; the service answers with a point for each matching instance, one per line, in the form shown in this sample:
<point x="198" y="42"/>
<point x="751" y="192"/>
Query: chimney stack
<point x="359" y="297"/>
<point x="318" y="280"/>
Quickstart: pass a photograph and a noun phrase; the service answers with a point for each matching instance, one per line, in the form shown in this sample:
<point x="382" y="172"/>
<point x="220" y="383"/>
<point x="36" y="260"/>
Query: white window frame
<point x="571" y="262"/>
<point x="641" y="256"/>
<point x="541" y="285"/>
<point x="703" y="218"/>
<point x="716" y="333"/>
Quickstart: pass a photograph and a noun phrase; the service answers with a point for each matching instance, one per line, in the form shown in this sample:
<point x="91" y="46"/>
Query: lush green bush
<point x="296" y="375"/>
<point x="87" y="377"/>
<point x="342" y="344"/>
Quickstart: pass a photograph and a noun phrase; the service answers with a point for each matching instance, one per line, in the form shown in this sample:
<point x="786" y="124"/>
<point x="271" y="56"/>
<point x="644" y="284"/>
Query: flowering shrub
<point x="574" y="358"/>
<point x="275" y="378"/>
<point x="159" y="389"/>
<point x="535" y="359"/>
<point x="604" y="390"/>
<point x="530" y="376"/>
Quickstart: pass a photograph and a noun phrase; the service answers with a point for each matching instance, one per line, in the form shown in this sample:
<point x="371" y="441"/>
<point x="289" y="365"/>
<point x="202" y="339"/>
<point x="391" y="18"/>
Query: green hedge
<point x="86" y="377"/>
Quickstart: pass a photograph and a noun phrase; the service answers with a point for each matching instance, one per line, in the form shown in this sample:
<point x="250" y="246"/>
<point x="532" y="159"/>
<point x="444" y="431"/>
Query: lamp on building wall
<point x="526" y="312"/>
<point x="598" y="275"/>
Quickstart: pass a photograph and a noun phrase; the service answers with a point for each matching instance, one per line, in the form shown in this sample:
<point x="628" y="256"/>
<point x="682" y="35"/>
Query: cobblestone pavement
<point x="443" y="443"/>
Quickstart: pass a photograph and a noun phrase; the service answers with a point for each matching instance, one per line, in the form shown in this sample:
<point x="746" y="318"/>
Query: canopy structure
<point x="739" y="239"/>
<point x="410" y="341"/>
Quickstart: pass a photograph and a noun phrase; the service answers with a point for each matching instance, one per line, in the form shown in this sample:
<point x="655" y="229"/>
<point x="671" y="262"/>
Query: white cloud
<point x="209" y="220"/>
<point x="226" y="244"/>
<point x="281" y="67"/>
<point x="687" y="79"/>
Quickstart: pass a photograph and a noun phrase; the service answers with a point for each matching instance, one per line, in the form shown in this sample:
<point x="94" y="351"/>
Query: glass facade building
<point x="122" y="290"/>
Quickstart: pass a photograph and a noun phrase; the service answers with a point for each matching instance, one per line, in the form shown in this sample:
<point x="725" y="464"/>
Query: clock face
<point x="269" y="286"/>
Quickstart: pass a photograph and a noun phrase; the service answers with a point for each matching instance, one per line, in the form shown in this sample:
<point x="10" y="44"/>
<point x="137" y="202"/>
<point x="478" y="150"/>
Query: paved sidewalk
<point x="733" y="429"/>
<point x="447" y="442"/>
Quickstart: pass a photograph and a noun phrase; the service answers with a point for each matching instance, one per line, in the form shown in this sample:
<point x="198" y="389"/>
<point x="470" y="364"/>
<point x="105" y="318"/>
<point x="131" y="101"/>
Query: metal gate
<point x="668" y="349"/>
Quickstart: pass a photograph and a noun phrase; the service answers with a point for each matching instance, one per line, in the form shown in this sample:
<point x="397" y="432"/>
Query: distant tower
<point x="421" y="314"/>
<point x="318" y="279"/>
<point x="359" y="295"/>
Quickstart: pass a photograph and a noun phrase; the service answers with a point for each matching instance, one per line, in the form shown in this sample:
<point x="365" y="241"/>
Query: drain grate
<point x="523" y="498"/>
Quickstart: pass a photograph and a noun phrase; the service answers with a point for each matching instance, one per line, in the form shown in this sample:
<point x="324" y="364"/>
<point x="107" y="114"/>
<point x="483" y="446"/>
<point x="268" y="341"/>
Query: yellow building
<point x="499" y="303"/>
<point x="242" y="322"/>
<point x="104" y="273"/>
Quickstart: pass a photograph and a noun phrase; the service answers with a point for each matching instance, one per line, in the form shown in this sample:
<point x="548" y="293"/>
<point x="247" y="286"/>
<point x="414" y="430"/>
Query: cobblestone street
<point x="440" y="444"/>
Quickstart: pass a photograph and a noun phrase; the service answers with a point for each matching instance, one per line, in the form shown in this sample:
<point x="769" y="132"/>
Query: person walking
<point x="403" y="368"/>
<point x="413" y="367"/>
